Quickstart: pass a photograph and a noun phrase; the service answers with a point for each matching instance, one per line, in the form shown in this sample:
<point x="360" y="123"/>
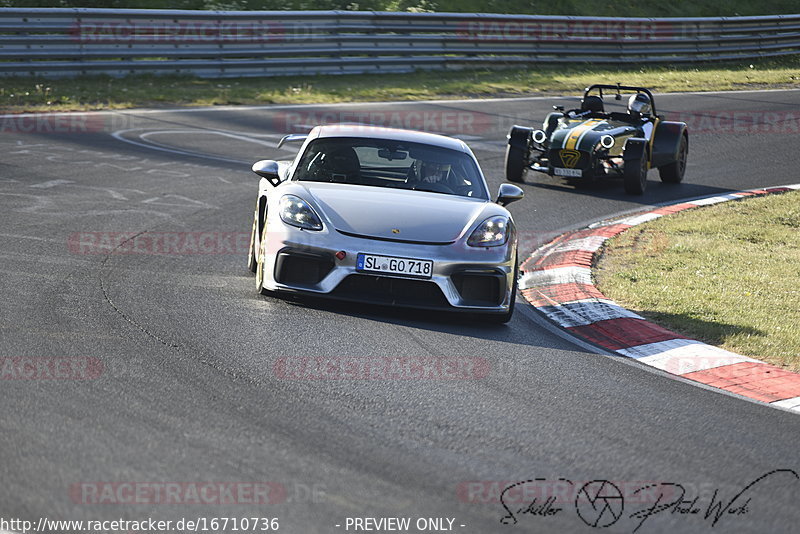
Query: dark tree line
<point x="619" y="8"/>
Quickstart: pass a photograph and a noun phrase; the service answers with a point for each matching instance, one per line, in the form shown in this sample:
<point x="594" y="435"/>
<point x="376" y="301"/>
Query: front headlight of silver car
<point x="492" y="232"/>
<point x="297" y="212"/>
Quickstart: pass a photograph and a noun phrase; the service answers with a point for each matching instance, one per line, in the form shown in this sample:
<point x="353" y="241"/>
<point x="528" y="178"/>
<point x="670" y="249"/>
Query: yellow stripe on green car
<point x="576" y="133"/>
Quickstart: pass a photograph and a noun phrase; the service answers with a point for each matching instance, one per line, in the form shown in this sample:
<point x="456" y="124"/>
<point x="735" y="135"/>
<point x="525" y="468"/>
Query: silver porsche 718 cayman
<point x="385" y="216"/>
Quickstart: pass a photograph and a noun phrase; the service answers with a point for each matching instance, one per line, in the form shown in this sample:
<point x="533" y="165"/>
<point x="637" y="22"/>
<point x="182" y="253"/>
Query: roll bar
<point x="618" y="88"/>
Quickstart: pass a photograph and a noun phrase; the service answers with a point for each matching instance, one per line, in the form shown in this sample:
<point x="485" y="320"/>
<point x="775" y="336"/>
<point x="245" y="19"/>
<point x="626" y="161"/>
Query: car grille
<point x="480" y="288"/>
<point x="388" y="290"/>
<point x="301" y="268"/>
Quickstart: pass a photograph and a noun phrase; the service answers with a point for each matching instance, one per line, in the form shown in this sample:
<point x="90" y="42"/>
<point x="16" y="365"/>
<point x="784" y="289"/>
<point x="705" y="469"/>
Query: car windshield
<point x="394" y="164"/>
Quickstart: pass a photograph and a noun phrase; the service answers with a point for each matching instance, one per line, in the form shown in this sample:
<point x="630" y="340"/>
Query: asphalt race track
<point x="187" y="387"/>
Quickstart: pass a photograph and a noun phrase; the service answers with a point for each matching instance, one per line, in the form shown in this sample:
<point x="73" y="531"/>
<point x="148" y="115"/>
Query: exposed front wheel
<point x="673" y="173"/>
<point x="515" y="164"/>
<point x="635" y="176"/>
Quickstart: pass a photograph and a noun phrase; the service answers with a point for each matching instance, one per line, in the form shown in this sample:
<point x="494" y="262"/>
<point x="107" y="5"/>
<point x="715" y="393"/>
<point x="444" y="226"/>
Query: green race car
<point x="589" y="143"/>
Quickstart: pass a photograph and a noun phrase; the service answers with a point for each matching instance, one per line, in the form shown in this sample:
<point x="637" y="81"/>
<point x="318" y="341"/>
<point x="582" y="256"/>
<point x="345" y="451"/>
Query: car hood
<point x="585" y="135"/>
<point x="396" y="214"/>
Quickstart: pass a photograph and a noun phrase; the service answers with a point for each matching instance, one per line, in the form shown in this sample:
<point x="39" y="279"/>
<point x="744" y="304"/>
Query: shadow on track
<point x="456" y="323"/>
<point x="611" y="189"/>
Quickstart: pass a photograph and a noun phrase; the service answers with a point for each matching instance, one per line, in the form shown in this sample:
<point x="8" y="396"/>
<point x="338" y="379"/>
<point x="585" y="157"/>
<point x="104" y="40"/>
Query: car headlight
<point x="297" y="212"/>
<point x="492" y="232"/>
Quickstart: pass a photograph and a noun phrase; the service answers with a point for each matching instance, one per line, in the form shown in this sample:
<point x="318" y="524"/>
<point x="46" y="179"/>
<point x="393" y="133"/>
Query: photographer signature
<point x="600" y="503"/>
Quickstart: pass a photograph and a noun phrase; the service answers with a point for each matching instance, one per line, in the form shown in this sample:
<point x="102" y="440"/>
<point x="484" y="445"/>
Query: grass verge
<point x="728" y="275"/>
<point x="103" y="92"/>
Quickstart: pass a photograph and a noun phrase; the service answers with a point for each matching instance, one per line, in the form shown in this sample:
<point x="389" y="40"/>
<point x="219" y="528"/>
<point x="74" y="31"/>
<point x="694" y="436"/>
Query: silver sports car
<point x="385" y="216"/>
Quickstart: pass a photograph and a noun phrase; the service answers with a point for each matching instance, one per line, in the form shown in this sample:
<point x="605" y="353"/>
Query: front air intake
<point x="302" y="268"/>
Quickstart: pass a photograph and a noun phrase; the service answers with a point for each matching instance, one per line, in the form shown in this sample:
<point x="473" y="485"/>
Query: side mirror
<point x="509" y="193"/>
<point x="267" y="168"/>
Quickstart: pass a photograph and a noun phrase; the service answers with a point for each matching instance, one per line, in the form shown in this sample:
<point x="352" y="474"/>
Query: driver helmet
<point x="433" y="172"/>
<point x="592" y="103"/>
<point x="639" y="103"/>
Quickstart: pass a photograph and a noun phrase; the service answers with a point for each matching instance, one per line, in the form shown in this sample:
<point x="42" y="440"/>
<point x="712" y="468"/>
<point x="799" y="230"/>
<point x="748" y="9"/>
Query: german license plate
<point x="573" y="173"/>
<point x="372" y="263"/>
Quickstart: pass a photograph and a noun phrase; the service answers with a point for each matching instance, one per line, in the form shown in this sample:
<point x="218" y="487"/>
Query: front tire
<point x="673" y="173"/>
<point x="515" y="164"/>
<point x="635" y="176"/>
<point x="260" y="264"/>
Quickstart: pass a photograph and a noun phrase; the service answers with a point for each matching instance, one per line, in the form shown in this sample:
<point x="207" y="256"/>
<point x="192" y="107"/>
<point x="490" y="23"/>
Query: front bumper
<point x="589" y="166"/>
<point x="464" y="278"/>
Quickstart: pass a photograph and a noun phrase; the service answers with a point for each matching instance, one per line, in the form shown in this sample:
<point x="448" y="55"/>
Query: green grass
<point x="103" y="92"/>
<point x="728" y="275"/>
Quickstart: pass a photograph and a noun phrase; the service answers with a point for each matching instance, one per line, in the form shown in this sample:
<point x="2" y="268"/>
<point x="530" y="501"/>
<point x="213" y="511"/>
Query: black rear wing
<point x="617" y="89"/>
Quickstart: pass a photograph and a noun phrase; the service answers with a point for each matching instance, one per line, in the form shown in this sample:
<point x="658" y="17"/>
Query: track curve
<point x="190" y="391"/>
